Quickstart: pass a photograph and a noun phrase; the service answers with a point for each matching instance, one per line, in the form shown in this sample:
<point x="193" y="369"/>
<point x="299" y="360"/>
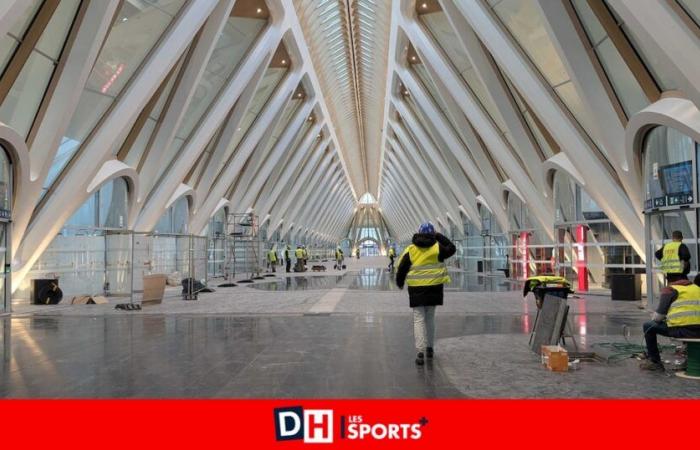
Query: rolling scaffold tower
<point x="243" y="246"/>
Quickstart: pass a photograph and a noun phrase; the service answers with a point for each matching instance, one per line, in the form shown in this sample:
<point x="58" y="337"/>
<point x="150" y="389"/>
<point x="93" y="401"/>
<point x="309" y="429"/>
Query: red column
<point x="524" y="253"/>
<point x="582" y="257"/>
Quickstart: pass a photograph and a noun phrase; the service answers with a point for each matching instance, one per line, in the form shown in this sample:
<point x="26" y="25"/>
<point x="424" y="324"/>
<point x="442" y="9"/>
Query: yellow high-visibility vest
<point x="392" y="252"/>
<point x="299" y="253"/>
<point x="426" y="269"/>
<point x="685" y="310"/>
<point x="671" y="260"/>
<point x="272" y="256"/>
<point x="547" y="279"/>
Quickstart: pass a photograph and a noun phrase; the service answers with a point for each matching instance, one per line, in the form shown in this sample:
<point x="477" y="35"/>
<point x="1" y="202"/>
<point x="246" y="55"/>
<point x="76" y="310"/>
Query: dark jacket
<point x="683" y="255"/>
<point x="424" y="295"/>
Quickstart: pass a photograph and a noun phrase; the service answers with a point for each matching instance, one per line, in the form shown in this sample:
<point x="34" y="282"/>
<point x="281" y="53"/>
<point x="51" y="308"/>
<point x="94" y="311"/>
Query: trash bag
<point x="50" y="294"/>
<point x="194" y="285"/>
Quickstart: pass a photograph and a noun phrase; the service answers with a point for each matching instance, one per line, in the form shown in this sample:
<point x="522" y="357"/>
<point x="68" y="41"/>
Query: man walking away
<point x="272" y="259"/>
<point x="677" y="316"/>
<point x="675" y="258"/>
<point x="288" y="258"/>
<point x="392" y="256"/>
<point x="422" y="267"/>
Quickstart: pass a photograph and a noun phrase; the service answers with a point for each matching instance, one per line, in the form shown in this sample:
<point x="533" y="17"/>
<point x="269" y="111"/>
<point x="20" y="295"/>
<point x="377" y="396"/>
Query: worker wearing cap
<point x="422" y="267"/>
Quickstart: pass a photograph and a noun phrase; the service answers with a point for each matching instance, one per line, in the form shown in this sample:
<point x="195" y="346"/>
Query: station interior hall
<point x="221" y="198"/>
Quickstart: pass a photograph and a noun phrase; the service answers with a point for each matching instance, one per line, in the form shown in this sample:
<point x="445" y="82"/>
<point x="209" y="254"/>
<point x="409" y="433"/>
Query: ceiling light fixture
<point x="259" y="10"/>
<point x="424" y="6"/>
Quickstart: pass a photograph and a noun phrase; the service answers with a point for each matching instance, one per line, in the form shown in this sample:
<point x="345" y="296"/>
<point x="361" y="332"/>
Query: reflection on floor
<point x="299" y="283"/>
<point x="259" y="341"/>
<point x="371" y="278"/>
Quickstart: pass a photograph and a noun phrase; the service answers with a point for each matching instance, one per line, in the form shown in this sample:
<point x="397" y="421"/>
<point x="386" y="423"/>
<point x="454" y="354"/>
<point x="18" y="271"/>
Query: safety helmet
<point x="426" y="228"/>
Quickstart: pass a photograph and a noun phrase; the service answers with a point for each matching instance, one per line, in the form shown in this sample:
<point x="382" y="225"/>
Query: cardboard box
<point x="153" y="288"/>
<point x="555" y="358"/>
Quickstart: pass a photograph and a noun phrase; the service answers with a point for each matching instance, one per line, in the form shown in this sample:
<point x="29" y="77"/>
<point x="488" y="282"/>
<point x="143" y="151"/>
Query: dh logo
<point x="314" y="426"/>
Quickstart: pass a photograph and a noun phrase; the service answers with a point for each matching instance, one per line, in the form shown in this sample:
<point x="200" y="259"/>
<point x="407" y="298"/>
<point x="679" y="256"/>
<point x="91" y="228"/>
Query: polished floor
<point x="323" y="335"/>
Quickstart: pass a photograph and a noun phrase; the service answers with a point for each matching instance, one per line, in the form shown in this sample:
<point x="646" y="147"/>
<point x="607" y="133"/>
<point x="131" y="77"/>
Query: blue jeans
<point x="653" y="329"/>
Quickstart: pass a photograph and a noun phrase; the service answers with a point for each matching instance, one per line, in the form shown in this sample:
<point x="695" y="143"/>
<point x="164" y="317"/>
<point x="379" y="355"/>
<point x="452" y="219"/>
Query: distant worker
<point x="288" y="258"/>
<point x="272" y="259"/>
<point x="357" y="252"/>
<point x="306" y="254"/>
<point x="677" y="316"/>
<point x="422" y="267"/>
<point x="339" y="258"/>
<point x="299" y="253"/>
<point x="392" y="256"/>
<point x="675" y="258"/>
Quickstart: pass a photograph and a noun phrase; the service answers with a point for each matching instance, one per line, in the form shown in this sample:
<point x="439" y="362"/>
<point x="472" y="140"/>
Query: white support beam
<point x="244" y="196"/>
<point x="600" y="180"/>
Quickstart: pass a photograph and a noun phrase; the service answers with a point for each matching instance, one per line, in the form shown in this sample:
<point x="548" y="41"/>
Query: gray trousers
<point x="424" y="327"/>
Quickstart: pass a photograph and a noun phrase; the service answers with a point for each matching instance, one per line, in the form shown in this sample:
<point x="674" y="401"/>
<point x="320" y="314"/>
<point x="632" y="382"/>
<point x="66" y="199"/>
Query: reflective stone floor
<point x="381" y="279"/>
<point x="325" y="338"/>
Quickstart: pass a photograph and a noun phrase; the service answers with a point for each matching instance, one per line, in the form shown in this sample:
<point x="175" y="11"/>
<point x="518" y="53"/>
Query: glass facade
<point x="670" y="178"/>
<point x="136" y="31"/>
<point x="531" y="248"/>
<point x="625" y="84"/>
<point x="237" y="37"/>
<point x="216" y="231"/>
<point x="175" y="220"/>
<point x="19" y="108"/>
<point x="589" y="248"/>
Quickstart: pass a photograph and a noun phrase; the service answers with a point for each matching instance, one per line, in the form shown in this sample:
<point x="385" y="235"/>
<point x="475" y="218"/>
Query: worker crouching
<point x="677" y="316"/>
<point x="422" y="267"/>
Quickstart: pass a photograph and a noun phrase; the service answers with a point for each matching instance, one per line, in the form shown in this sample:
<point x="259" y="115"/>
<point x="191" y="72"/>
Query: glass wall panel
<point x="10" y="42"/>
<point x="24" y="98"/>
<point x="267" y="86"/>
<point x="440" y="28"/>
<point x="237" y="37"/>
<point x="135" y="32"/>
<point x="692" y="7"/>
<point x="526" y="24"/>
<point x="587" y="239"/>
<point x="625" y="84"/>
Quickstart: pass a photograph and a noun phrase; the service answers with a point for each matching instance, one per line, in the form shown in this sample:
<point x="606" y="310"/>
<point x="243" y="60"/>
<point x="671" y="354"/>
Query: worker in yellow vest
<point x="422" y="267"/>
<point x="677" y="316"/>
<point x="299" y="253"/>
<point x="392" y="257"/>
<point x="675" y="258"/>
<point x="272" y="258"/>
<point x="339" y="258"/>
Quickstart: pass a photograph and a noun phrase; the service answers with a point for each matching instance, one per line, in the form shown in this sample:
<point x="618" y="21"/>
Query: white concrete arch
<point x="114" y="169"/>
<point x="673" y="112"/>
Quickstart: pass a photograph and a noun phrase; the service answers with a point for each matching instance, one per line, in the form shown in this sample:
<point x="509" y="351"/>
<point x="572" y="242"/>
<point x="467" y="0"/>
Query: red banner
<point x="290" y="424"/>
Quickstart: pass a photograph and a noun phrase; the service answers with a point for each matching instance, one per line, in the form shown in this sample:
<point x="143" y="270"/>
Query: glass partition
<point x="670" y="202"/>
<point x="531" y="248"/>
<point x="589" y="247"/>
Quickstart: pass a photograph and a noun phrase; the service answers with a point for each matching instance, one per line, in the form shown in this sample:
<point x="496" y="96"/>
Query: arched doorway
<point x="369" y="247"/>
<point x="5" y="216"/>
